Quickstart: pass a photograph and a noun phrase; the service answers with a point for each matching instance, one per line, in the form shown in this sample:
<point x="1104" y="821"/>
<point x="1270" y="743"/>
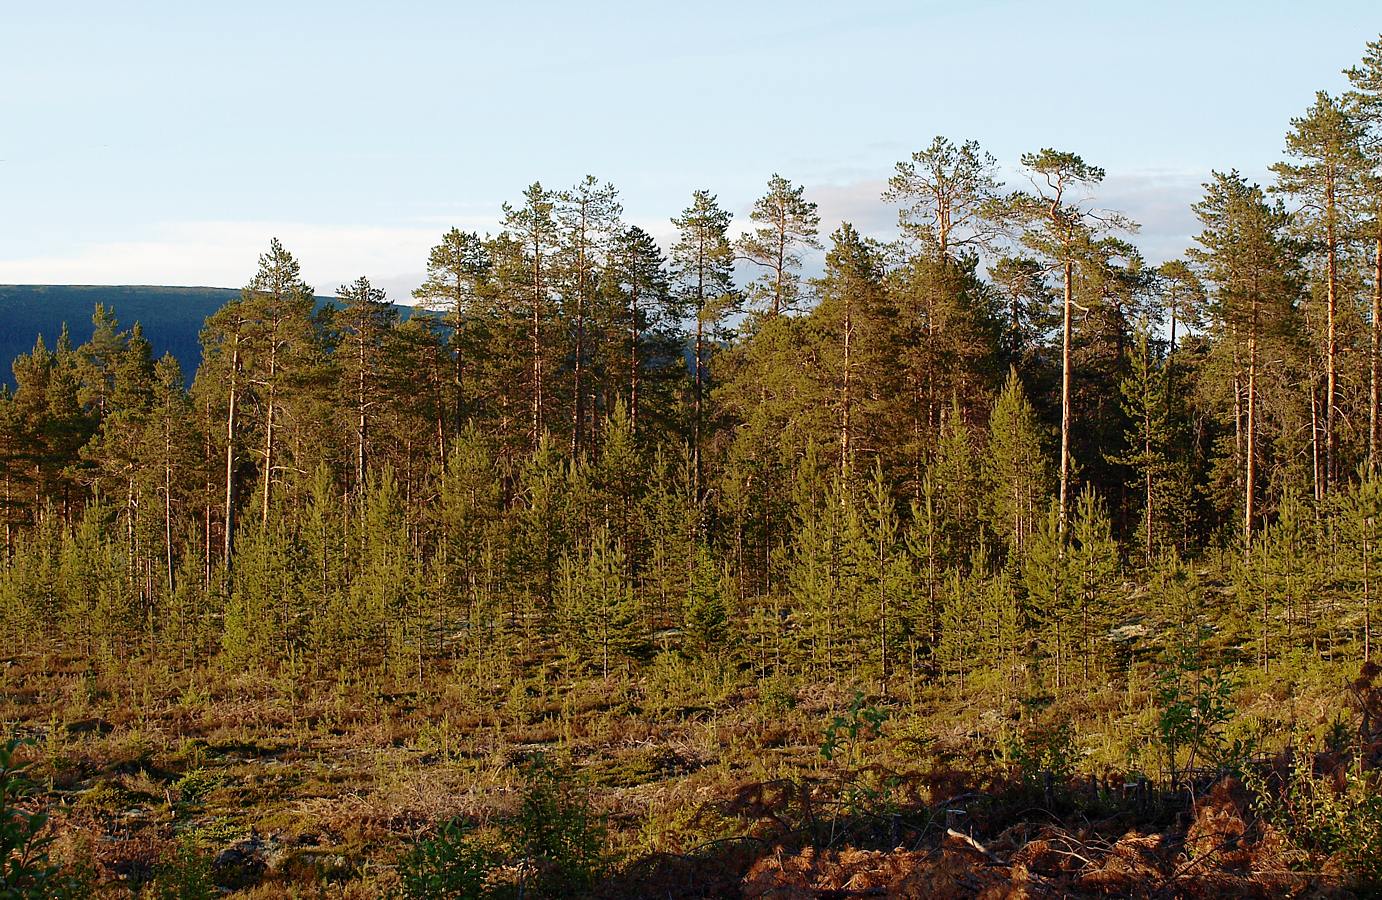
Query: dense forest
<point x="996" y="502"/>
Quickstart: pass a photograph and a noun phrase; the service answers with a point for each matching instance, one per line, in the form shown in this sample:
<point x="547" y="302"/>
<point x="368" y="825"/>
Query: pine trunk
<point x="1375" y="331"/>
<point x="1250" y="476"/>
<point x="1065" y="394"/>
<point x="230" y="446"/>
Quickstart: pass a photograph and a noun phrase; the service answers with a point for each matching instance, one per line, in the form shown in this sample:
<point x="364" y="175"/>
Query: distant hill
<point x="172" y="317"/>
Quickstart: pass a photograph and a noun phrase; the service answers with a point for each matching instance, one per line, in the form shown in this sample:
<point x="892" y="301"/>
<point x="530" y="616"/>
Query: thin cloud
<point x="226" y="254"/>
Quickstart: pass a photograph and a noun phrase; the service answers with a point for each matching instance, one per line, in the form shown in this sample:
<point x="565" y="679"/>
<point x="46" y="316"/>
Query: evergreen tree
<point x="948" y="197"/>
<point x="1015" y="468"/>
<point x="1360" y="539"/>
<point x="649" y="351"/>
<point x="1326" y="141"/>
<point x="703" y="261"/>
<point x="587" y="216"/>
<point x="854" y="316"/>
<point x="1160" y="475"/>
<point x="1247" y="257"/>
<point x="458" y="274"/>
<point x="1057" y="226"/>
<point x="786" y="225"/>
<point x="364" y="355"/>
<point x="533" y="229"/>
<point x="598" y="605"/>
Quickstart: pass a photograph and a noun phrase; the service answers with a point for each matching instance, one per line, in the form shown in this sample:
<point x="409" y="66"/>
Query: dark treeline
<point x="975" y="452"/>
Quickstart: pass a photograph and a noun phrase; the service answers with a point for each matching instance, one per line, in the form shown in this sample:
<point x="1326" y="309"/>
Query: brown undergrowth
<point x="314" y="788"/>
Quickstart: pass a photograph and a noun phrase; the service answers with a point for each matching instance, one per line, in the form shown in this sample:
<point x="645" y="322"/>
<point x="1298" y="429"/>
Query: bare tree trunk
<point x="230" y="446"/>
<point x="1065" y="396"/>
<point x="1250" y="478"/>
<point x="846" y="399"/>
<point x="535" y="333"/>
<point x="1332" y="351"/>
<point x="269" y="435"/>
<point x="634" y="336"/>
<point x="1375" y="331"/>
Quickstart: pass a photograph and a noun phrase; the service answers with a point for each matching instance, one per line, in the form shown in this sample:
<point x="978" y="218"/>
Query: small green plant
<point x="859" y="789"/>
<point x="1045" y="754"/>
<point x="556" y="836"/>
<point x="846" y="733"/>
<point x="449" y="865"/>
<point x="196" y="784"/>
<point x="25" y="869"/>
<point x="184" y="874"/>
<point x="1194" y="700"/>
<point x="552" y="846"/>
<point x="1341" y="818"/>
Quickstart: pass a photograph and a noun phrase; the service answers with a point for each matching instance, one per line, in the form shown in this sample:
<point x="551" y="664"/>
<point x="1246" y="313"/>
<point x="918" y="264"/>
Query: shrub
<point x="556" y="837"/>
<point x="184" y="874"/>
<point x="1341" y="818"/>
<point x="554" y="847"/>
<point x="25" y="869"/>
<point x="447" y="865"/>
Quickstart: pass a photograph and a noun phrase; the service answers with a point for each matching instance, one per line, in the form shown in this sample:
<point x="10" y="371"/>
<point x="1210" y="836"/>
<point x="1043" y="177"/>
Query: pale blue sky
<point x="165" y="142"/>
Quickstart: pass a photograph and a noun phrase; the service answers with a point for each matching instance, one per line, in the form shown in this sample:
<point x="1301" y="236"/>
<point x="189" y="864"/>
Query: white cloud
<point x="1158" y="201"/>
<point x="225" y="254"/>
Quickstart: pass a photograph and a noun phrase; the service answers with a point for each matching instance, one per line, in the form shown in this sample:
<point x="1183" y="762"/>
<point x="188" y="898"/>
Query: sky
<point x="167" y="142"/>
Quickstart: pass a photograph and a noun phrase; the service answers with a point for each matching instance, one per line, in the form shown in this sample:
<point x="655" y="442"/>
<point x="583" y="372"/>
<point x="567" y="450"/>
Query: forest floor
<point x="290" y="787"/>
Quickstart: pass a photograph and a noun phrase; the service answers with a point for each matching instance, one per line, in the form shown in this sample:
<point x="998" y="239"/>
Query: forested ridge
<point x="996" y="510"/>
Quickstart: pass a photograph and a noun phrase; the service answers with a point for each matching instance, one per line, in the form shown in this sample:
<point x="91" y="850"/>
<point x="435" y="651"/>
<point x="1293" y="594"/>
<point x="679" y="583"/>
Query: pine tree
<point x="587" y="216"/>
<point x="708" y="611"/>
<point x="98" y="359"/>
<point x="364" y="355"/>
<point x="886" y="574"/>
<point x="853" y="313"/>
<point x="1093" y="556"/>
<point x="534" y="231"/>
<point x="703" y="261"/>
<point x="458" y="274"/>
<point x="1015" y="468"/>
<point x="278" y="308"/>
<point x="787" y="225"/>
<point x="1364" y="104"/>
<point x="1246" y="256"/>
<point x="1182" y="297"/>
<point x="169" y="455"/>
<point x="1057" y="225"/>
<point x="947" y="196"/>
<point x="1360" y="538"/>
<point x="1327" y="143"/>
<point x="1051" y="598"/>
<point x="637" y="285"/>
<point x="1151" y="452"/>
<point x="1027" y="299"/>
<point x="598" y="604"/>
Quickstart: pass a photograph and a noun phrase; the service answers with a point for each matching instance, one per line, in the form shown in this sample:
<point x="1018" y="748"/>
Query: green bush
<point x="1319" y="814"/>
<point x="447" y="865"/>
<point x="555" y="836"/>
<point x="553" y="846"/>
<point x="184" y="874"/>
<point x="25" y="869"/>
